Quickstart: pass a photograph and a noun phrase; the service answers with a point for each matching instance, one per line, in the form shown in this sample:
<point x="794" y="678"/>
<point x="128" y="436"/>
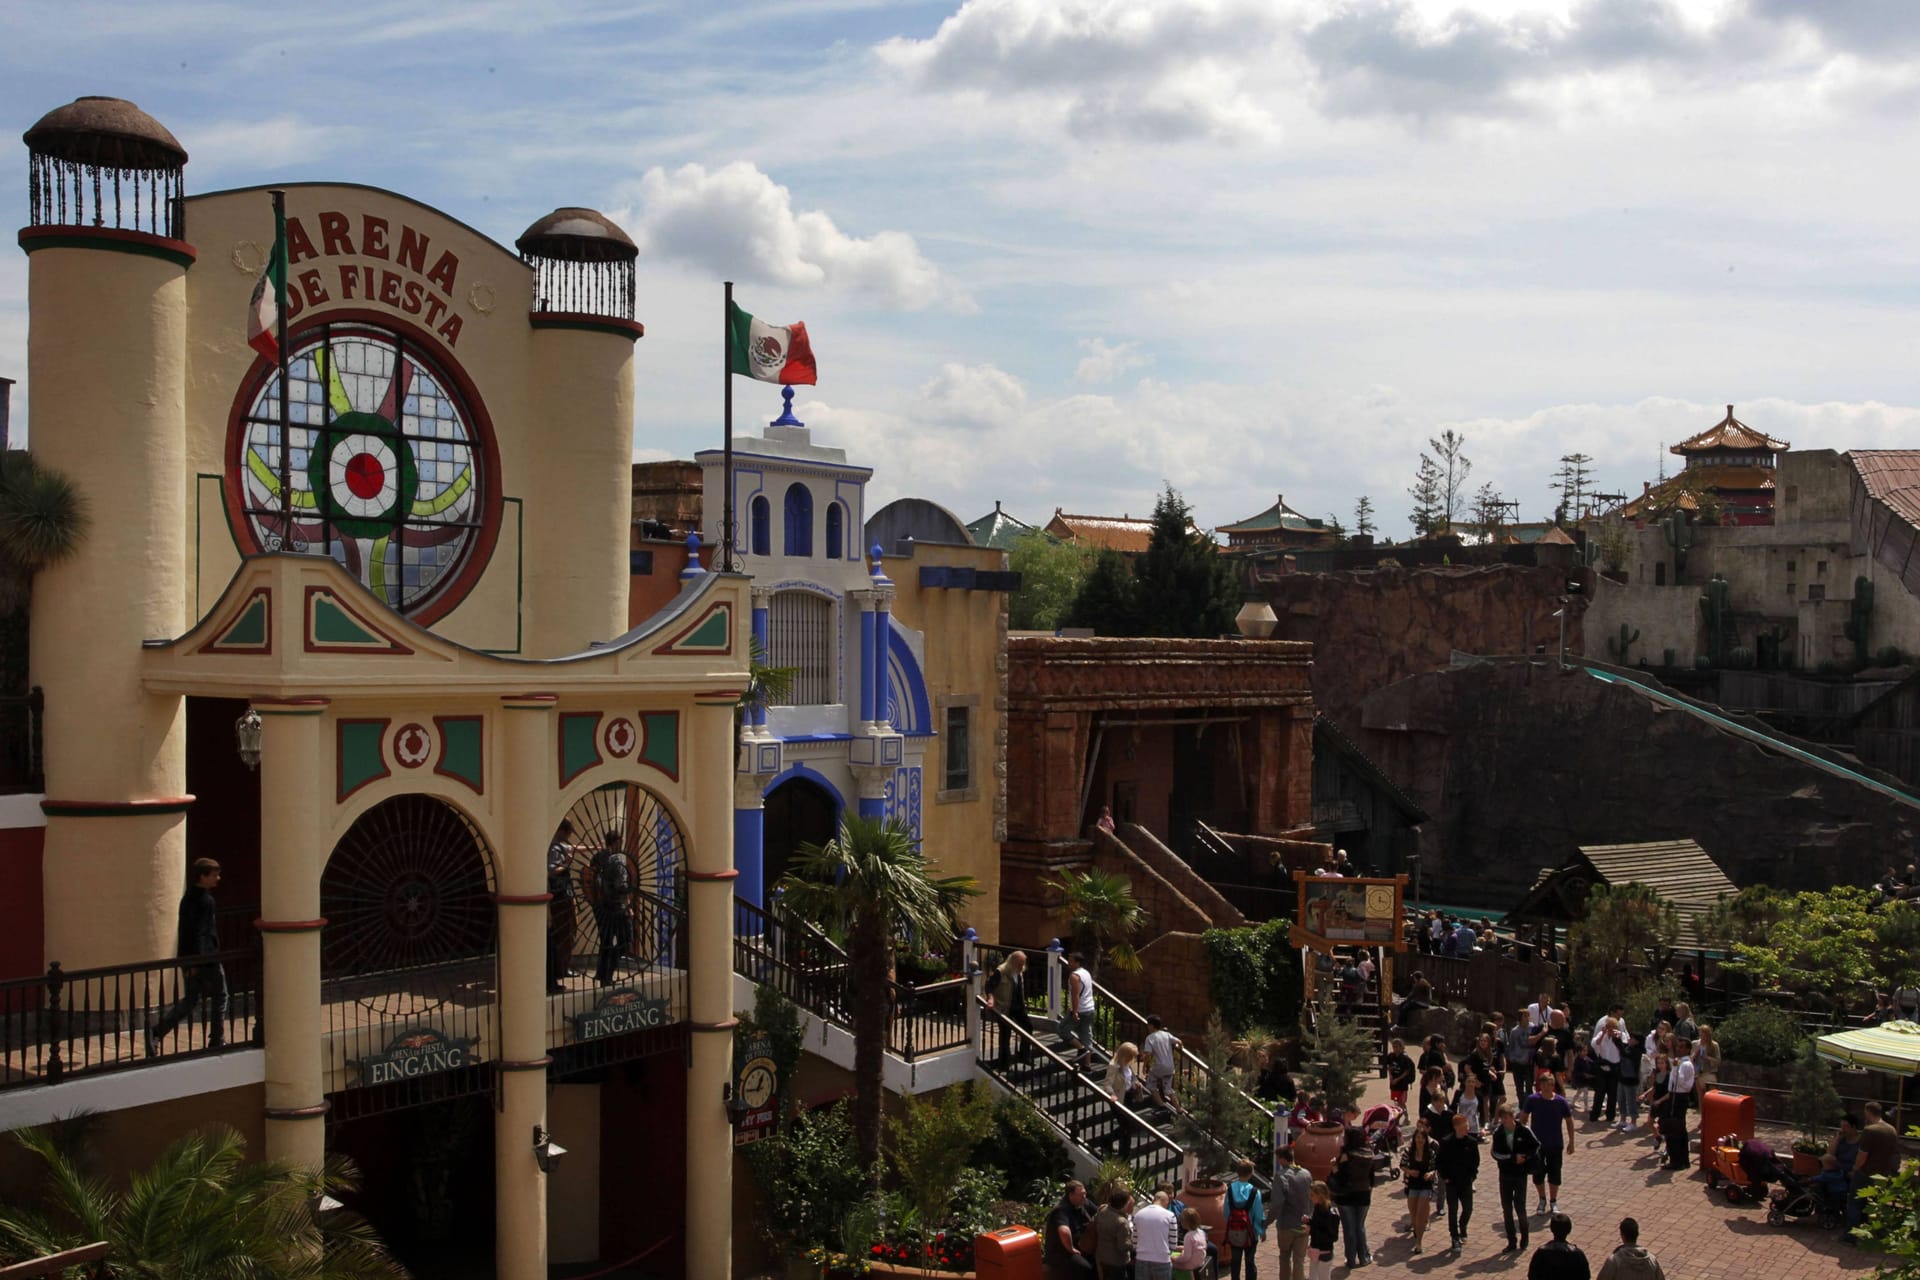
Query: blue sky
<point x="1056" y="252"/>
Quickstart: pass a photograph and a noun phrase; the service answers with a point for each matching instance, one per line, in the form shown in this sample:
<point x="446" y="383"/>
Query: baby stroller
<point x="1796" y="1198"/>
<point x="1382" y="1126"/>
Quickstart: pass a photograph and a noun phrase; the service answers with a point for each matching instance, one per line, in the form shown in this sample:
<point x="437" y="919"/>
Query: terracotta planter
<point x="1317" y="1149"/>
<point x="1804" y="1165"/>
<point x="895" y="1271"/>
<point x="1208" y="1198"/>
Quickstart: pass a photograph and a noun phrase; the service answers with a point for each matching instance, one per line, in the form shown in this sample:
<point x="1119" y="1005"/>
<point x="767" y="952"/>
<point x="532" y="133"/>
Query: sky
<point x="1060" y="253"/>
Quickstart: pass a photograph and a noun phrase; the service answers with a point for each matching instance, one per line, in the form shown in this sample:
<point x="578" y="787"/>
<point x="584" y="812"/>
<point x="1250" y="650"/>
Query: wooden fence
<point x="1485" y="982"/>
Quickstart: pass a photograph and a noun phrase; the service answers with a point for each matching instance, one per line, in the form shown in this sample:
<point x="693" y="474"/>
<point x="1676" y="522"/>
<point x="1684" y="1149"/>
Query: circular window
<point x="386" y="466"/>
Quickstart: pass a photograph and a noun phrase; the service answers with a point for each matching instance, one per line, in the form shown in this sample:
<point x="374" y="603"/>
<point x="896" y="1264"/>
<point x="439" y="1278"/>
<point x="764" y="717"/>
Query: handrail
<point x="1145" y="1148"/>
<point x="91" y="1256"/>
<point x="1194" y="1064"/>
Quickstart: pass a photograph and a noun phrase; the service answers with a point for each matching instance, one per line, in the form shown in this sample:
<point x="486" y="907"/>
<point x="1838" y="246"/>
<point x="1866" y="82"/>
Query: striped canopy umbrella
<point x="1893" y="1047"/>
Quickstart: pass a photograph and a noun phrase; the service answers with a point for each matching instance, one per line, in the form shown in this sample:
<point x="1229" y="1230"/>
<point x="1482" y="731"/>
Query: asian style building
<point x="1278" y="529"/>
<point x="1731" y="462"/>
<point x="373" y="653"/>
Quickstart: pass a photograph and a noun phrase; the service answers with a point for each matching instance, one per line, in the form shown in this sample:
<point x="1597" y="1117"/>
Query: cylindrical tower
<point x="106" y="359"/>
<point x="580" y="458"/>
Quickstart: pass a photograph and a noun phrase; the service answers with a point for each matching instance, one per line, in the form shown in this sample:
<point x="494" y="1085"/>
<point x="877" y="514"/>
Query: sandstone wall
<point x="1370" y="628"/>
<point x="1520" y="764"/>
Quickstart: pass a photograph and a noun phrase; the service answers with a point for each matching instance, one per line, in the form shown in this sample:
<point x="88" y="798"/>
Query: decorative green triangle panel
<point x="662" y="749"/>
<point x="360" y="757"/>
<point x="250" y="628"/>
<point x="331" y="625"/>
<point x="460" y="750"/>
<point x="579" y="743"/>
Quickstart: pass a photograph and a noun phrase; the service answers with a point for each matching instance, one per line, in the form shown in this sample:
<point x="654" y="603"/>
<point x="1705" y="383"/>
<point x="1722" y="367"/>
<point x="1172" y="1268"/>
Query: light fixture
<point x="246" y="734"/>
<point x="737" y="1107"/>
<point x="1256" y="620"/>
<point x="546" y="1152"/>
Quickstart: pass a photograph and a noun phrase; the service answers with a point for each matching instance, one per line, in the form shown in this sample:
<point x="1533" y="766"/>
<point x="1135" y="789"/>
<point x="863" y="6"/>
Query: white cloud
<point x="279" y="142"/>
<point x="972" y="396"/>
<point x="736" y="221"/>
<point x="1104" y="363"/>
<point x="1113" y="68"/>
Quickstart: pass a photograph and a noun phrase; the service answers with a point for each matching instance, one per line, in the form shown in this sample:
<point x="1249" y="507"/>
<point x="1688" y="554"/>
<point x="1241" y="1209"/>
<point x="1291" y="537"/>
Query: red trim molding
<point x="525" y="1064"/>
<point x="725" y="1024"/>
<point x="314" y="1112"/>
<point x="115" y="808"/>
<point x="117" y="239"/>
<point x="631" y="330"/>
<point x="521" y="899"/>
<point x="291" y="926"/>
<point x="531" y="701"/>
<point x="713" y="875"/>
<point x="290" y="706"/>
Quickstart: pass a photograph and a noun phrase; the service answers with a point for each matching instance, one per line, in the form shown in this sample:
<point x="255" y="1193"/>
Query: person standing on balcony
<point x="206" y="980"/>
<point x="1007" y="998"/>
<point x="560" y="916"/>
<point x="612" y="906"/>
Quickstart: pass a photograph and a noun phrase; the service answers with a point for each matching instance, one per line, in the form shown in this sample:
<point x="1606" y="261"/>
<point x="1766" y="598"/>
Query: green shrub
<point x="1759" y="1035"/>
<point x="1253" y="975"/>
<point x="1641" y="1002"/>
<point x="1024" y="1147"/>
<point x="808" y="1174"/>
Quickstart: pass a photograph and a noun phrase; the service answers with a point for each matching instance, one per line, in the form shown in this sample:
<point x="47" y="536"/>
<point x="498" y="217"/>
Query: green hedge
<point x="1760" y="1035"/>
<point x="1253" y="975"/>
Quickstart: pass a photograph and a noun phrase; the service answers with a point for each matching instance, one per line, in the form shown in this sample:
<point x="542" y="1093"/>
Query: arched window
<point x="799" y="520"/>
<point x="759" y="526"/>
<point x="836" y="522"/>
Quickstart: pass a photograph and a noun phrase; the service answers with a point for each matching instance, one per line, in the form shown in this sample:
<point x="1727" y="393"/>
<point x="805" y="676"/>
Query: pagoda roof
<point x="1277" y="516"/>
<point x="1681" y="492"/>
<point x="1104" y="533"/>
<point x="1730" y="433"/>
<point x="998" y="530"/>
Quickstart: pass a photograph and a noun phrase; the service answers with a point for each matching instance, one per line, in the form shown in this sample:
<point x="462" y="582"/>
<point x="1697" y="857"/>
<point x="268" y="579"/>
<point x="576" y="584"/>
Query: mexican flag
<point x="270" y="295"/>
<point x="768" y="352"/>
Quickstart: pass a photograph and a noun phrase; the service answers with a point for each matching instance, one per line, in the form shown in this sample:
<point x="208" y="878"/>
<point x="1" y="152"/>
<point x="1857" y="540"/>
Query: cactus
<point x="1718" y="616"/>
<point x="1740" y="658"/>
<point x="1859" y="623"/>
<point x="1619" y="648"/>
<point x="1769" y="651"/>
<point x="1680" y="538"/>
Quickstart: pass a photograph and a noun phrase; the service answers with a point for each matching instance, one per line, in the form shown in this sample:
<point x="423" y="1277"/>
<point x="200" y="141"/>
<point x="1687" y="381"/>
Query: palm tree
<point x="871" y="884"/>
<point x="202" y="1210"/>
<point x="42" y="517"/>
<point x="1099" y="905"/>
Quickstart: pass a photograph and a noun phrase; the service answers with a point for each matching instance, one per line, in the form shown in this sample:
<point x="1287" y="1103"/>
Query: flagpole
<point x="726" y="448"/>
<point x="280" y="342"/>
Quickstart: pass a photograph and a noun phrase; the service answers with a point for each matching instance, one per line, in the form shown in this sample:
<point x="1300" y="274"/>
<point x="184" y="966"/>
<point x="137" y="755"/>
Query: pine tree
<point x="1425" y="493"/>
<point x="1186" y="587"/>
<point x="1571" y="481"/>
<point x="1363" y="516"/>
<point x="1454" y="466"/>
<point x="1337" y="1050"/>
<point x="1489" y="509"/>
<point x="1216" y="1117"/>
<point x="1108" y="601"/>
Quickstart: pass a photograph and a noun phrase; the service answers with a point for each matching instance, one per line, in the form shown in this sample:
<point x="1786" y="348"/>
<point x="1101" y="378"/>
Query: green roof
<point x="998" y="530"/>
<point x="1277" y="516"/>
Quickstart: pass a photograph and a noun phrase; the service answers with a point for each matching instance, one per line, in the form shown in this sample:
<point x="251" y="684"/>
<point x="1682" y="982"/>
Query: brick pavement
<point x="1694" y="1232"/>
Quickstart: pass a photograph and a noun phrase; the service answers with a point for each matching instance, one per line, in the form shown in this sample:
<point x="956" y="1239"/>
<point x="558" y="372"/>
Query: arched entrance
<point x="799" y="811"/>
<point x="407" y="959"/>
<point x="624" y="821"/>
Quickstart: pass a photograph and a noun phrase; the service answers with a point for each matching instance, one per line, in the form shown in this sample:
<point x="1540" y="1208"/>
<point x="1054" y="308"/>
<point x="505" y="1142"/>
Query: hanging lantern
<point x="246" y="734"/>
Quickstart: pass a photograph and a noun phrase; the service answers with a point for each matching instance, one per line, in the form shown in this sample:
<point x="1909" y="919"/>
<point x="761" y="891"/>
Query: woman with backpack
<point x="1246" y="1218"/>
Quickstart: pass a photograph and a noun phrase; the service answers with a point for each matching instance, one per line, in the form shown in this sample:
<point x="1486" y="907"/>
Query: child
<point x="1583" y="1073"/>
<point x="1399" y="1072"/>
<point x="1307" y="1111"/>
<point x="1468" y="1104"/>
<point x="1322" y="1230"/>
<point x="1195" y="1252"/>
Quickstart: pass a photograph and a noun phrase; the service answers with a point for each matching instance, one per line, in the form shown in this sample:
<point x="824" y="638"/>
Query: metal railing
<point x="932" y="1017"/>
<point x="89" y="1259"/>
<point x="1078" y="1108"/>
<point x="88" y="1021"/>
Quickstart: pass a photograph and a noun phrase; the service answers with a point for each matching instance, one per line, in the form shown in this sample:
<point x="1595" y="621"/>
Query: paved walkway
<point x="1694" y="1232"/>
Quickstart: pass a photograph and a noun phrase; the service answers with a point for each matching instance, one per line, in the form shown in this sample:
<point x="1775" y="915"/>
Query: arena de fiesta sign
<point x="618" y="1013"/>
<point x="423" y="1051"/>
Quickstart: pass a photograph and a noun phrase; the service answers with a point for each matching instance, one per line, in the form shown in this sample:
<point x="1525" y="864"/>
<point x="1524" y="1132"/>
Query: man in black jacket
<point x="1515" y="1152"/>
<point x="1559" y="1258"/>
<point x="197" y="936"/>
<point x="1458" y="1164"/>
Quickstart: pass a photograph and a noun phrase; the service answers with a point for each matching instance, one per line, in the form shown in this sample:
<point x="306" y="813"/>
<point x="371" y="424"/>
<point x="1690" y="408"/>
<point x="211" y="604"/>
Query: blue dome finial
<point x="786" y="418"/>
<point x="692" y="568"/>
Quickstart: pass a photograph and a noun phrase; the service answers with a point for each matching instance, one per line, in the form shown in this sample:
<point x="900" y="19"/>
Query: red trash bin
<point x="1722" y="1116"/>
<point x="1010" y="1253"/>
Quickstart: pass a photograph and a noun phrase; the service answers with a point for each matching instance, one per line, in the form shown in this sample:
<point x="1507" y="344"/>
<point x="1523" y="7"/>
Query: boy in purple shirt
<point x="1550" y="1116"/>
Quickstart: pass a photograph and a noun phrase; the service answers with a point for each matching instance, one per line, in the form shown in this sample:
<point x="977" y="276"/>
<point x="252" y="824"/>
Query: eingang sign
<point x="618" y="1013"/>
<point x="424" y="1051"/>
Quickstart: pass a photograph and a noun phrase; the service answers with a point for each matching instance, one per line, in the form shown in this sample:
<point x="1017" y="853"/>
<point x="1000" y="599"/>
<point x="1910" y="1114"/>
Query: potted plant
<point x="1812" y="1104"/>
<point x="1214" y="1114"/>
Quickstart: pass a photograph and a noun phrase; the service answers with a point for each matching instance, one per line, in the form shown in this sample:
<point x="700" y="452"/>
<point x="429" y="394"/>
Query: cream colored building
<point x="423" y="598"/>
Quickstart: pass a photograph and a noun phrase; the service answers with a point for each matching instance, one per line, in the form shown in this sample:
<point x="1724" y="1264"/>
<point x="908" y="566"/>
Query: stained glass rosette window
<point x="383" y="461"/>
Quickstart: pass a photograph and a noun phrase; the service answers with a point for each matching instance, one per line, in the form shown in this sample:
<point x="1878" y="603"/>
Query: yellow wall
<point x="963" y="659"/>
<point x="560" y="402"/>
